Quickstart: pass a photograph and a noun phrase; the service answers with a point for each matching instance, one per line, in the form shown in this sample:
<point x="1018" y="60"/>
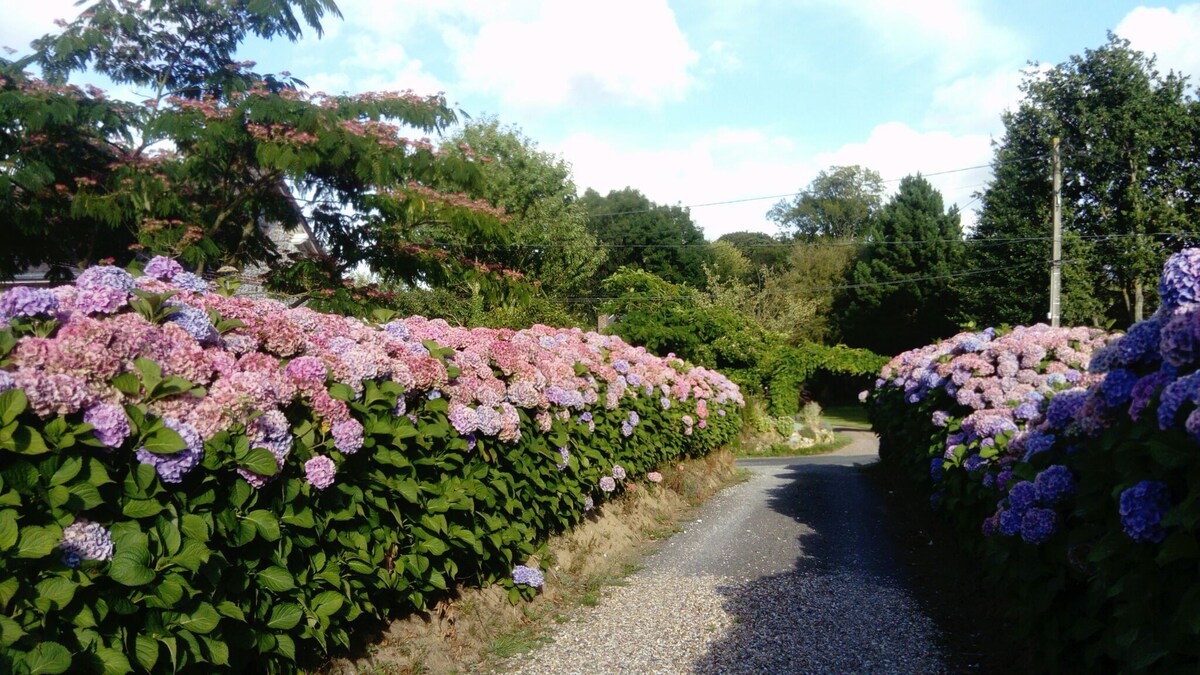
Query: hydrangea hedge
<point x="1081" y="487"/>
<point x="190" y="480"/>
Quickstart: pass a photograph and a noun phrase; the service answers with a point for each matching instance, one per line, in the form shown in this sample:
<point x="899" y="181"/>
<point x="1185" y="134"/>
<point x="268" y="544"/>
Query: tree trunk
<point x="1139" y="298"/>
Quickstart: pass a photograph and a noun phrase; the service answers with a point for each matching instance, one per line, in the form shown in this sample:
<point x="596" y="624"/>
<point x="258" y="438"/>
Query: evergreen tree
<point x="899" y="296"/>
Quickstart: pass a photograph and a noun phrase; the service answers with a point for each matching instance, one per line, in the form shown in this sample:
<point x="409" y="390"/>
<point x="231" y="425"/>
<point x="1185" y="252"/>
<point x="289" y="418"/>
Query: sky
<point x="700" y="101"/>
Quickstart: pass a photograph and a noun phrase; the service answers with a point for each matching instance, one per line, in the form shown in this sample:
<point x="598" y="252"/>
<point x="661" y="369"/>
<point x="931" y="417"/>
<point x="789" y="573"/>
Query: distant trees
<point x="1129" y="142"/>
<point x="636" y="232"/>
<point x="838" y="203"/>
<point x="901" y="292"/>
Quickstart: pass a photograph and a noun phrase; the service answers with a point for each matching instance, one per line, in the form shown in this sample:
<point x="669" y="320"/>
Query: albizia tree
<point x="217" y="150"/>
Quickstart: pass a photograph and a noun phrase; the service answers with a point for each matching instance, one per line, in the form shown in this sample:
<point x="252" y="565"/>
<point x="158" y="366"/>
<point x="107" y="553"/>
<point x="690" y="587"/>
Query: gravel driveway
<point x="791" y="571"/>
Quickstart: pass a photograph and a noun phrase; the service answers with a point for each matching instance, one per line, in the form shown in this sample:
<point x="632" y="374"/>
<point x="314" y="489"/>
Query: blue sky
<point x="702" y="101"/>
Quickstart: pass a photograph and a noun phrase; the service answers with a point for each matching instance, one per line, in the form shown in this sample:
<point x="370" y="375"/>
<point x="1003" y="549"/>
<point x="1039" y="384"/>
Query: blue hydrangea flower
<point x="974" y="463"/>
<point x="937" y="468"/>
<point x="162" y="268"/>
<point x="27" y="302"/>
<point x="105" y="276"/>
<point x="1142" y="508"/>
<point x="1140" y="344"/>
<point x="1173" y="397"/>
<point x="1022" y="497"/>
<point x="1064" y="407"/>
<point x="528" y="576"/>
<point x="172" y="467"/>
<point x="1036" y="442"/>
<point x="1117" y="386"/>
<point x="1178" y="342"/>
<point x="1054" y="484"/>
<point x="1010" y="522"/>
<point x="196" y="322"/>
<point x="85" y="540"/>
<point x="1038" y="525"/>
<point x="190" y="282"/>
<point x="1180" y="281"/>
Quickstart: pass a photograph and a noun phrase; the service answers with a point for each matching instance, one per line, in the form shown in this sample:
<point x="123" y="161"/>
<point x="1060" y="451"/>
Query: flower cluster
<point x="528" y="576"/>
<point x="85" y="540"/>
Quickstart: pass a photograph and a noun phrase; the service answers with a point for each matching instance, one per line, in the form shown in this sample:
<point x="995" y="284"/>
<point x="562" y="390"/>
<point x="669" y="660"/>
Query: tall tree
<point x="902" y="292"/>
<point x="218" y="150"/>
<point x="760" y="248"/>
<point x="1129" y="142"/>
<point x="838" y="203"/>
<point x="798" y="300"/>
<point x="659" y="239"/>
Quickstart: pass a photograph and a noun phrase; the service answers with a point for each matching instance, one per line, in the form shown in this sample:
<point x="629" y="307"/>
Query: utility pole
<point x="1056" y="260"/>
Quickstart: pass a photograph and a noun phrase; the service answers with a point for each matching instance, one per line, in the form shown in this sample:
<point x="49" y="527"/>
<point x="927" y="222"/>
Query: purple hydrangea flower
<point x="397" y="328"/>
<point x="1023" y="496"/>
<point x="1180" y="282"/>
<point x="666" y="403"/>
<point x="105" y="276"/>
<point x="634" y="379"/>
<point x="347" y="436"/>
<point x="433" y="395"/>
<point x="85" y="540"/>
<point x="1054" y="484"/>
<point x="27" y="302"/>
<point x="1036" y="442"/>
<point x="1142" y="508"/>
<point x="1178" y="341"/>
<point x="306" y="369"/>
<point x="1143" y="391"/>
<point x="6" y="381"/>
<point x="1026" y="411"/>
<point x="196" y="322"/>
<point x="401" y="407"/>
<point x="566" y="457"/>
<point x="489" y="420"/>
<point x="1140" y="344"/>
<point x="319" y="472"/>
<point x="974" y="463"/>
<point x="608" y="484"/>
<point x="1064" y="407"/>
<point x="162" y="268"/>
<point x="1038" y="525"/>
<point x="1173" y="397"/>
<point x="990" y="525"/>
<point x="618" y="472"/>
<point x="626" y="428"/>
<point x="190" y="282"/>
<point x="173" y="467"/>
<point x="588" y="503"/>
<point x="528" y="576"/>
<point x="633" y="418"/>
<point x="109" y="423"/>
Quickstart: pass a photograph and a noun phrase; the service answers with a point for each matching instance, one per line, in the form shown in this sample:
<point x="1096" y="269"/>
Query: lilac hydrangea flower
<point x="1023" y="496"/>
<point x="397" y="328"/>
<point x="6" y="381"/>
<point x="489" y="422"/>
<point x="626" y="428"/>
<point x="528" y="576"/>
<point x="196" y="322"/>
<point x="666" y="403"/>
<point x="109" y="423"/>
<point x="1180" y="282"/>
<point x="1026" y="411"/>
<point x="463" y="419"/>
<point x="105" y="276"/>
<point x="1142" y="508"/>
<point x="85" y="540"/>
<point x="608" y="484"/>
<point x="190" y="282"/>
<point x="1054" y="484"/>
<point x="162" y="268"/>
<point x="618" y="472"/>
<point x="588" y="503"/>
<point x="633" y="418"/>
<point x="1178" y="341"/>
<point x="347" y="436"/>
<point x="102" y="300"/>
<point x="654" y="477"/>
<point x="173" y="467"/>
<point x="401" y="407"/>
<point x="319" y="472"/>
<point x="566" y="457"/>
<point x="27" y="302"/>
<point x="1143" y="391"/>
<point x="1038" y="525"/>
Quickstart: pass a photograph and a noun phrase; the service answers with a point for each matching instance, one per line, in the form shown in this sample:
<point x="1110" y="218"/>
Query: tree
<point x="637" y="232"/>
<point x="1129" y="142"/>
<point x="728" y="263"/>
<point x="218" y="150"/>
<point x="838" y="203"/>
<point x="798" y="301"/>
<point x="760" y="248"/>
<point x="901" y="292"/>
<point x="549" y="241"/>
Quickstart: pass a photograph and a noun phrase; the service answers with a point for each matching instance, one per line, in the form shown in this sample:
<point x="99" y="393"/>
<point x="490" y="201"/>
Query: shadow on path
<point x="845" y="606"/>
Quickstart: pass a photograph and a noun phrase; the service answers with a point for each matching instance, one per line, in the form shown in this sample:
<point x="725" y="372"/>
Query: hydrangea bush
<point x="190" y="480"/>
<point x="1088" y="507"/>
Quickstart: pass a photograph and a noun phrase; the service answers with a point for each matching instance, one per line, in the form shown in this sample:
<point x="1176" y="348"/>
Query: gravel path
<point x="791" y="571"/>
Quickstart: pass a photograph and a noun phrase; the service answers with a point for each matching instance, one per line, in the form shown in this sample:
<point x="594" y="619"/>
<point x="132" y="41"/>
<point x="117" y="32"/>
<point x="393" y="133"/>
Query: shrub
<point x="190" y="481"/>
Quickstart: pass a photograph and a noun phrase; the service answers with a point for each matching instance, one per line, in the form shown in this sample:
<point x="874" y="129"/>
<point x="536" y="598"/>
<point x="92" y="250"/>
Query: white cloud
<point x="896" y="150"/>
<point x="378" y="65"/>
<point x="719" y="165"/>
<point x="972" y="104"/>
<point x="1173" y="35"/>
<point x="954" y="33"/>
<point x="571" y="53"/>
<point x="26" y="21"/>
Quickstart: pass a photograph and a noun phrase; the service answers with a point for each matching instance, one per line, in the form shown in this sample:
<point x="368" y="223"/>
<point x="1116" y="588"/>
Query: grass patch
<point x="852" y="416"/>
<point x="840" y="440"/>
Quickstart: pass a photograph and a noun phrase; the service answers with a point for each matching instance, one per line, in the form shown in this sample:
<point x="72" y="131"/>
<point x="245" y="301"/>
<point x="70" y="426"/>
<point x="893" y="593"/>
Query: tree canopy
<point x="637" y="232"/>
<point x="838" y="203"/>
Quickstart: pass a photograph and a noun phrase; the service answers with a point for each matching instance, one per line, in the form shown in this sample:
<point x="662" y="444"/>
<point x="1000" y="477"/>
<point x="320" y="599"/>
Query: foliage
<point x="217" y="150"/>
<point x="1086" y="497"/>
<point x="786" y="369"/>
<point x="798" y="300"/>
<point x="760" y="248"/>
<point x="232" y="484"/>
<point x="838" y="204"/>
<point x="659" y="239"/>
<point x="1128" y="138"/>
<point x="900" y="278"/>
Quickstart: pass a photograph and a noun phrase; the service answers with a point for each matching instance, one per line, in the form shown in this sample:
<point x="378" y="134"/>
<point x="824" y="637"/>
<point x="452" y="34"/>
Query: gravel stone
<point x="789" y="572"/>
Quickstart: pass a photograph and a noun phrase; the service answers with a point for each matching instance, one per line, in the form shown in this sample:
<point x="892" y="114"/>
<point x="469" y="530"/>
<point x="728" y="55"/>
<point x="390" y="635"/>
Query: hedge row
<point x="191" y="481"/>
<point x="1083" y="495"/>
